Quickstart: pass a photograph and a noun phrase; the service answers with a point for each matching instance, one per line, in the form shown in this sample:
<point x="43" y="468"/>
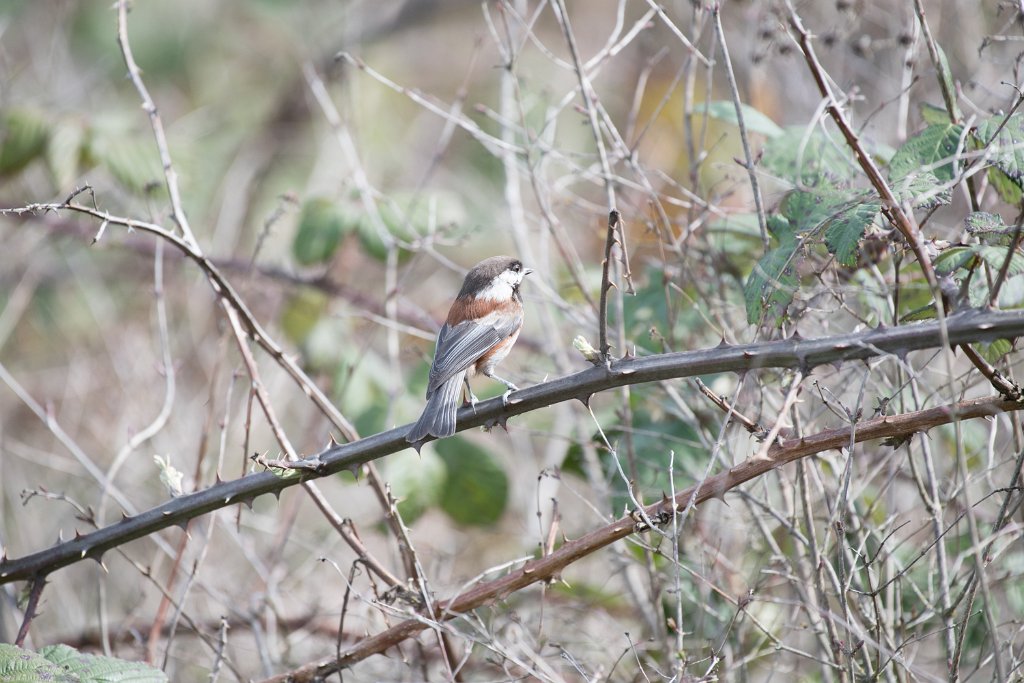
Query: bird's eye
<point x="517" y="266"/>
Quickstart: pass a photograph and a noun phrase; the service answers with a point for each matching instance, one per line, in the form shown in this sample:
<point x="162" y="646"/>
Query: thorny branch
<point x="805" y="354"/>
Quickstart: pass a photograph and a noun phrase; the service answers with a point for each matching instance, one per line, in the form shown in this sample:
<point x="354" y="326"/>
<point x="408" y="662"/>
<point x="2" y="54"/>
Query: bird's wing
<point x="461" y="345"/>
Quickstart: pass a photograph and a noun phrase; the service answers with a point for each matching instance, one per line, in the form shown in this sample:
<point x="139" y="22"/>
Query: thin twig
<point x="948" y="96"/>
<point x="149" y="106"/>
<point x="762" y="221"/>
<point x="586" y="92"/>
<point x="751" y="426"/>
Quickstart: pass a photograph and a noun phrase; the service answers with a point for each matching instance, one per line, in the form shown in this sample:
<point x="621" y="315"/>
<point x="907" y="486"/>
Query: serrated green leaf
<point x="98" y="669"/>
<point x="935" y="144"/>
<point x="923" y="190"/>
<point x="983" y="221"/>
<point x="844" y="231"/>
<point x="808" y="211"/>
<point x="990" y="229"/>
<point x="934" y="115"/>
<point x="417" y="481"/>
<point x="753" y="120"/>
<point x="843" y="215"/>
<point x="773" y="282"/>
<point x="23" y="137"/>
<point x="322" y="224"/>
<point x="1006" y="149"/>
<point x="476" y="487"/>
<point x="24" y="666"/>
<point x="807" y="158"/>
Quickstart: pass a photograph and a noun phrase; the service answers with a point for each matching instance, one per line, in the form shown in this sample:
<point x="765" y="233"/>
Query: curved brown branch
<point x="804" y="354"/>
<point x="550" y="566"/>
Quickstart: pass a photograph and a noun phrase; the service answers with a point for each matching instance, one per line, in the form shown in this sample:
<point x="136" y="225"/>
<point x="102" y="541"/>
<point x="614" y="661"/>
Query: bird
<point x="482" y="326"/>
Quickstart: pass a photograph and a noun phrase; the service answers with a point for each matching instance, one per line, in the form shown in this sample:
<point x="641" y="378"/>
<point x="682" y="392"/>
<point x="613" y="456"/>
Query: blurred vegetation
<point x="348" y="238"/>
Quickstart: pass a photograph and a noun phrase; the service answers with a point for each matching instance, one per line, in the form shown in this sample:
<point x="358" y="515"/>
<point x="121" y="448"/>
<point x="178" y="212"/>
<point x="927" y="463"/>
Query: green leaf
<point x="808" y="211"/>
<point x="322" y="224"/>
<point x="98" y="669"/>
<point x="1009" y="190"/>
<point x="844" y="231"/>
<point x="23" y="137"/>
<point x="773" y="282"/>
<point x="67" y="665"/>
<point x="994" y="351"/>
<point x="303" y="311"/>
<point x="953" y="259"/>
<point x="1011" y="295"/>
<point x="64" y="154"/>
<point x="926" y="312"/>
<point x="807" y="158"/>
<point x="843" y="215"/>
<point x="935" y="144"/>
<point x="983" y="221"/>
<point x="995" y="257"/>
<point x="990" y="229"/>
<point x="647" y="308"/>
<point x="735" y="234"/>
<point x="24" y="666"/>
<point x="417" y="481"/>
<point x="476" y="487"/>
<point x="1006" y="148"/>
<point x="934" y="115"/>
<point x="923" y="190"/>
<point x="134" y="163"/>
<point x="407" y="217"/>
<point x="754" y="120"/>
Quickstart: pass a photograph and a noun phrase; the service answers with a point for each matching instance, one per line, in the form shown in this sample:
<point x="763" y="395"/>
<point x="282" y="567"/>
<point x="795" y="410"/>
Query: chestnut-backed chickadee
<point x="482" y="326"/>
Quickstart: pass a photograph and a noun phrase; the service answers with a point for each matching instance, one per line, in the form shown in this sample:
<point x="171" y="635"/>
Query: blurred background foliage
<point x="348" y="240"/>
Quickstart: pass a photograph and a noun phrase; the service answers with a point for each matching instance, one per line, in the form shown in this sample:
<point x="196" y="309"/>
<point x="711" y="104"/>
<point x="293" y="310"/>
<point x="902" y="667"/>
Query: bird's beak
<point x="527" y="271"/>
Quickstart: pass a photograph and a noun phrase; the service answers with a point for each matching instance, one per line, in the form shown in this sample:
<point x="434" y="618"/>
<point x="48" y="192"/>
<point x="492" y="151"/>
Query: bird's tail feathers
<point x="438" y="418"/>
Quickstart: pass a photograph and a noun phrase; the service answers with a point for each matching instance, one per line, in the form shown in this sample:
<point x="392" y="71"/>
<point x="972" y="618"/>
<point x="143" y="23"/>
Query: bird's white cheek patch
<point x="498" y="290"/>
